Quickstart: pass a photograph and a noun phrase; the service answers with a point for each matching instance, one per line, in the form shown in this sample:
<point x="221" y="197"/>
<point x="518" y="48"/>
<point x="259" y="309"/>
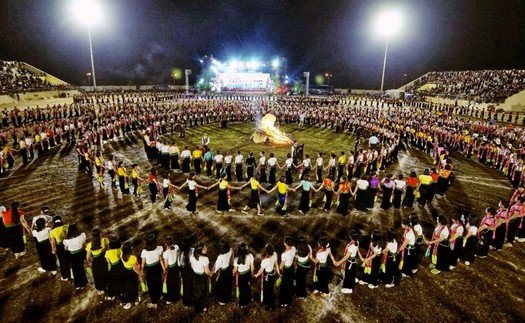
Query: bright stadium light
<point x="388" y="25"/>
<point x="275" y="62"/>
<point x="89" y="13"/>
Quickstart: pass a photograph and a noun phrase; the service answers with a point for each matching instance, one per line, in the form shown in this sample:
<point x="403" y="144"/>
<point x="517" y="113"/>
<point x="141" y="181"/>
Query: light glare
<point x="88" y="11"/>
<point x="389" y="23"/>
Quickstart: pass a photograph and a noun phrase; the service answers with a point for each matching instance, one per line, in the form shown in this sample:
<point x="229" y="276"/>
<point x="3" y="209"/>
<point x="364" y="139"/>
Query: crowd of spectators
<point x="486" y="86"/>
<point x="15" y="78"/>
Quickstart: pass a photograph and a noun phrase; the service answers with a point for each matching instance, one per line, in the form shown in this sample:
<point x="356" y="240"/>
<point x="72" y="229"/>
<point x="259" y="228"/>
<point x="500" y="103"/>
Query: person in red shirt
<point x="15" y="224"/>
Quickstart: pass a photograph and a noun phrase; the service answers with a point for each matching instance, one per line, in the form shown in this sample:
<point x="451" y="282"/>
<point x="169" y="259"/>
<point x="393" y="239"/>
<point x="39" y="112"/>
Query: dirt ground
<point x="490" y="290"/>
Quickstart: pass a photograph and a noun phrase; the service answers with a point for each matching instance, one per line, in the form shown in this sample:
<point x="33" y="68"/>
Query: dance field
<point x="489" y="290"/>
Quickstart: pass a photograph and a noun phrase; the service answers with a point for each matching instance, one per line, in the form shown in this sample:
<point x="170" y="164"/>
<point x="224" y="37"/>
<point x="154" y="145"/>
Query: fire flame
<point x="267" y="129"/>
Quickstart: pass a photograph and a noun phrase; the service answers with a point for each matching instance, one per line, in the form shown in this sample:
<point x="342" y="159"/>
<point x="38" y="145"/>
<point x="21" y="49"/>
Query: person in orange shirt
<point x="15" y="224"/>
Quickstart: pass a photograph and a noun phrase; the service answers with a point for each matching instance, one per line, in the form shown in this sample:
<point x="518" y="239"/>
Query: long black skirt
<point x="186" y="165"/>
<point x="342" y="208"/>
<point x="115" y="279"/>
<point x="304" y="204"/>
<point x="192" y="201"/>
<point x="99" y="267"/>
<point x="457" y="252"/>
<point x="328" y="199"/>
<point x="286" y="290"/>
<point x="387" y="194"/>
<point x="245" y="290"/>
<point x="187" y="286"/>
<point x="77" y="267"/>
<point x="500" y="236"/>
<point x="15" y="236"/>
<point x="281" y="198"/>
<point x="424" y="191"/>
<point x="48" y="262"/>
<point x="262" y="175"/>
<point x="443" y="256"/>
<point x="350" y="273"/>
<point x="469" y="251"/>
<point x="173" y="284"/>
<point x="360" y="200"/>
<point x="272" y="179"/>
<point x="442" y="185"/>
<point x="222" y="202"/>
<point x="370" y="197"/>
<point x="408" y="201"/>
<point x="174" y="161"/>
<point x="254" y="199"/>
<point x="223" y="287"/>
<point x="131" y="285"/>
<point x="397" y="198"/>
<point x="269" y="291"/>
<point x="322" y="279"/>
<point x="154" y="280"/>
<point x="200" y="292"/>
<point x="300" y="280"/>
<point x="373" y="276"/>
<point x="238" y="172"/>
<point x="409" y="261"/>
<point x="391" y="268"/>
<point x="63" y="261"/>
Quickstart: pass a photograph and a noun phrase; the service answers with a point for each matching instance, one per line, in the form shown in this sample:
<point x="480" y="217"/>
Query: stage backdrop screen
<point x="244" y="81"/>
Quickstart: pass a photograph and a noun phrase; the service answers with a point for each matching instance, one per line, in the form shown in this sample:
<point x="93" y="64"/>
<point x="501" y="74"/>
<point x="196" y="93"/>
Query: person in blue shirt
<point x="208" y="160"/>
<point x="306" y="195"/>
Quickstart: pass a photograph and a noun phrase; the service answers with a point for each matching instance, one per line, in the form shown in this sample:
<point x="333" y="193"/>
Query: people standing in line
<point x="57" y="236"/>
<point x="15" y="225"/>
<point x="153" y="265"/>
<point x="201" y="277"/>
<point x="348" y="262"/>
<point x="95" y="258"/>
<point x="43" y="247"/>
<point x="321" y="271"/>
<point x="269" y="268"/>
<point x="286" y="266"/>
<point x="75" y="243"/>
<point x="171" y="273"/>
<point x="131" y="274"/>
<point x="243" y="269"/>
<point x="223" y="268"/>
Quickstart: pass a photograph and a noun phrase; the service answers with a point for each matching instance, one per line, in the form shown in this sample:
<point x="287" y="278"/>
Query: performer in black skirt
<point x="201" y="274"/>
<point x="328" y="190"/>
<point x="172" y="276"/>
<point x="269" y="269"/>
<point x="130" y="276"/>
<point x="302" y="267"/>
<point x="282" y="196"/>
<point x="223" y="269"/>
<point x="321" y="271"/>
<point x="43" y="247"/>
<point x="439" y="246"/>
<point x="372" y="262"/>
<point x="57" y="236"/>
<point x="486" y="233"/>
<point x="273" y="164"/>
<point x="153" y="265"/>
<point x="114" y="263"/>
<point x="387" y="186"/>
<point x="75" y="244"/>
<point x="348" y="262"/>
<point x="411" y="189"/>
<point x="243" y="271"/>
<point x="261" y="168"/>
<point x="15" y="225"/>
<point x="343" y="195"/>
<point x="470" y="240"/>
<point x="192" y="193"/>
<point x="501" y="218"/>
<point x="360" y="193"/>
<point x="153" y="185"/>
<point x="389" y="261"/>
<point x="399" y="189"/>
<point x="239" y="161"/>
<point x="95" y="252"/>
<point x="456" y="240"/>
<point x="306" y="194"/>
<point x="255" y="199"/>
<point x="250" y="165"/>
<point x="287" y="259"/>
<point x="223" y="201"/>
<point x="186" y="273"/>
<point x="407" y="249"/>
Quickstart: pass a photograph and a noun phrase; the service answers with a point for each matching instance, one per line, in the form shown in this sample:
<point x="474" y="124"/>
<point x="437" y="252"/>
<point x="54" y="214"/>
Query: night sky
<point x="140" y="41"/>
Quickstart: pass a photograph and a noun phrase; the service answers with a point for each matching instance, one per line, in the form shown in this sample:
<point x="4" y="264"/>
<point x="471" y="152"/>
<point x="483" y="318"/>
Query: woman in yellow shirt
<point x="113" y="254"/>
<point x="95" y="252"/>
<point x="255" y="196"/>
<point x="57" y="236"/>
<point x="425" y="181"/>
<point x="123" y="178"/>
<point x="223" y="202"/>
<point x="130" y="276"/>
<point x="282" y="195"/>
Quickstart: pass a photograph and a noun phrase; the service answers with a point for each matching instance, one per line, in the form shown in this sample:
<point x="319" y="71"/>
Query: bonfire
<point x="267" y="131"/>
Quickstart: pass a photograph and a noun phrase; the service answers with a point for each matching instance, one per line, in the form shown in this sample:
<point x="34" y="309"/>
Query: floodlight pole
<point x="187" y="73"/>
<point x="307" y="75"/>
<point x="92" y="60"/>
<point x="384" y="66"/>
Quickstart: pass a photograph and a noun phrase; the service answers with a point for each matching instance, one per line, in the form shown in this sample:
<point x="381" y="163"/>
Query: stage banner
<point x="244" y="81"/>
